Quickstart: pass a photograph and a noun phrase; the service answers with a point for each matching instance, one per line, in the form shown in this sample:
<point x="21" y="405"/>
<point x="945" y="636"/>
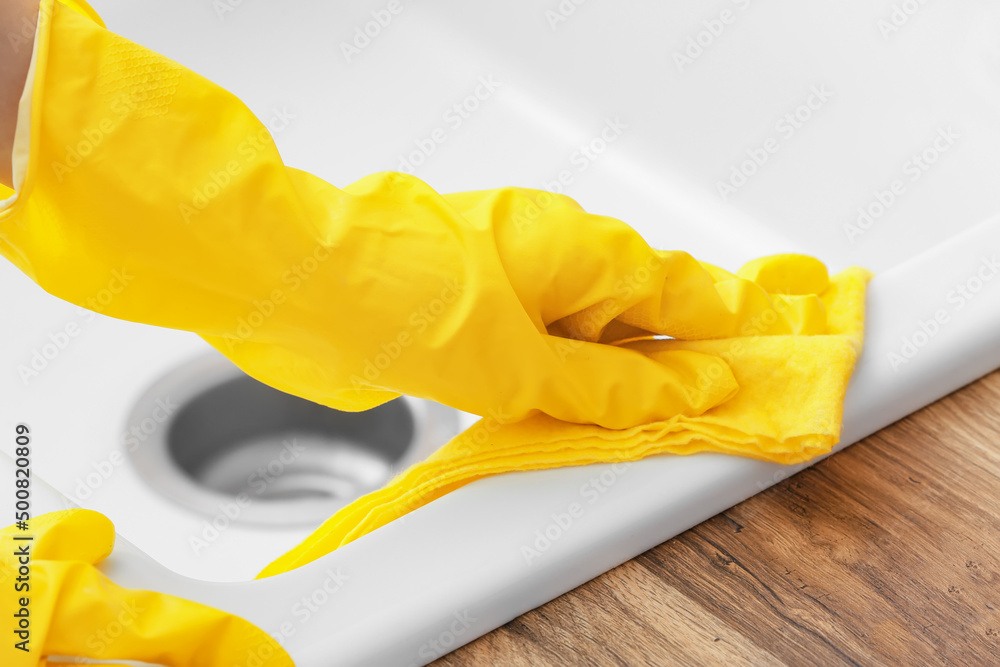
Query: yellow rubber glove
<point x="64" y="608"/>
<point x="788" y="410"/>
<point x="150" y="194"/>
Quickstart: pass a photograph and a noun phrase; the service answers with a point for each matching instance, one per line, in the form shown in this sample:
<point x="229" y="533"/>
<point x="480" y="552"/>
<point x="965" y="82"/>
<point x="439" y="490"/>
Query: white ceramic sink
<point x="863" y="133"/>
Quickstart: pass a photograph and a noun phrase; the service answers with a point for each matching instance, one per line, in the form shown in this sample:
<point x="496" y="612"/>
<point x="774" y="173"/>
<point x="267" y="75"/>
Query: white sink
<point x="854" y="131"/>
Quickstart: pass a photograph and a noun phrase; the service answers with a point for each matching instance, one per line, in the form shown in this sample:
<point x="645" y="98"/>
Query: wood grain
<point x="887" y="553"/>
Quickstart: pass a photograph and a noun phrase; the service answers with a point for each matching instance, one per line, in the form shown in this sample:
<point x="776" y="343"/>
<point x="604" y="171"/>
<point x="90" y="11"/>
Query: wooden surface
<point x="886" y="553"/>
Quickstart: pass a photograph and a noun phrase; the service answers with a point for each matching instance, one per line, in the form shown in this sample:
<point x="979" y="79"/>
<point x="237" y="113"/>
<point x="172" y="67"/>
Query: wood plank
<point x="886" y="553"/>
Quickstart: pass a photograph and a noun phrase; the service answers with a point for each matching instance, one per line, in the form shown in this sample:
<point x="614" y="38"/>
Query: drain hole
<point x="244" y="437"/>
<point x="282" y="460"/>
<point x="292" y="466"/>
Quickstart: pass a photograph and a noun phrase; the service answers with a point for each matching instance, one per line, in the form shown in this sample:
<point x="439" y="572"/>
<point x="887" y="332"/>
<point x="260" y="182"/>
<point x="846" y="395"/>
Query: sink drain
<point x="280" y="458"/>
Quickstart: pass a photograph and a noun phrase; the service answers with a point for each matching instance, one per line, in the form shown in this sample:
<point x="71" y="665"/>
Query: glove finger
<point x="576" y="272"/>
<point x="787" y="274"/>
<point x="558" y="258"/>
<point x="681" y="298"/>
<point x="74" y="534"/>
<point x="92" y="617"/>
<point x="620" y="388"/>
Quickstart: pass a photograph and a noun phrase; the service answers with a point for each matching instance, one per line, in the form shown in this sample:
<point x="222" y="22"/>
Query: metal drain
<point x="211" y="437"/>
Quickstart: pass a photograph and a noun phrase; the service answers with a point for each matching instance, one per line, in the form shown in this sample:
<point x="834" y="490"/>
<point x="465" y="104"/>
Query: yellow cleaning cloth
<point x="148" y="193"/>
<point x="58" y="607"/>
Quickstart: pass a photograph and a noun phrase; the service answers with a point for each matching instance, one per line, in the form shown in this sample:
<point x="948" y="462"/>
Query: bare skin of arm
<point x="15" y="57"/>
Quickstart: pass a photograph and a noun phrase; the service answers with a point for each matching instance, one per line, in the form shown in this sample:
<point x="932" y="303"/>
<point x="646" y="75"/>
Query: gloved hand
<point x="788" y="410"/>
<point x="75" y="611"/>
<point x="153" y="195"/>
